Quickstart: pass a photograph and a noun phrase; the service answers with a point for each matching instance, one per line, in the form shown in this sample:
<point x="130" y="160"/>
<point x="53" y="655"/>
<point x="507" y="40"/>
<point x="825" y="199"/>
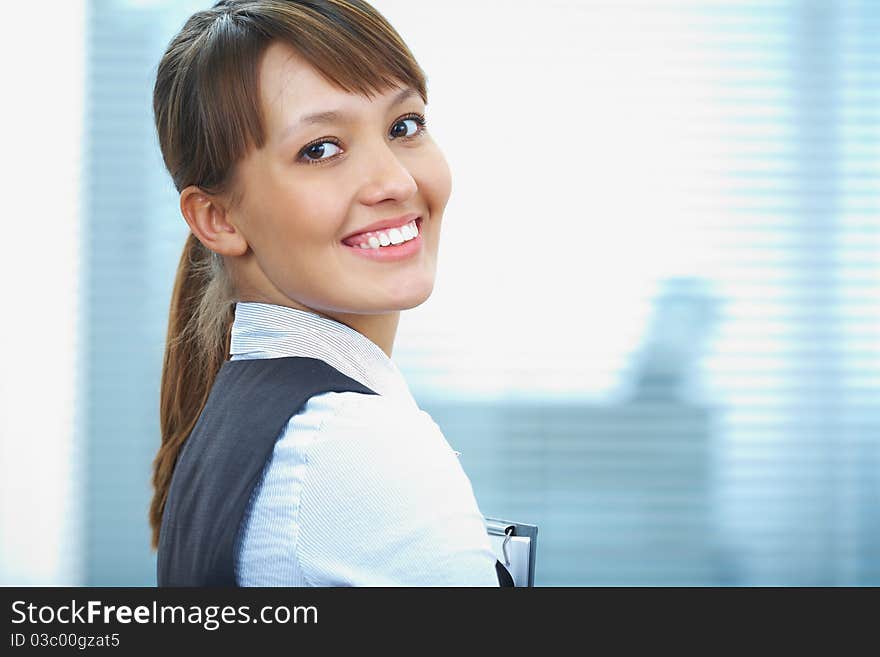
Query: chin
<point x="411" y="294"/>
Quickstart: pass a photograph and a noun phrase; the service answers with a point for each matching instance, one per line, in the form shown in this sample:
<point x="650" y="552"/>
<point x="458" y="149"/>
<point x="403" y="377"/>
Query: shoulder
<point x="390" y="457"/>
<point x="394" y="462"/>
<point x="385" y="501"/>
<point x="354" y="444"/>
<point x="357" y="422"/>
<point x="370" y="427"/>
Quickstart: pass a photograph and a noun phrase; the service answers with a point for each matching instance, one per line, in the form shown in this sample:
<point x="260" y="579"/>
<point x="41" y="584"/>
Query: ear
<point x="208" y="219"/>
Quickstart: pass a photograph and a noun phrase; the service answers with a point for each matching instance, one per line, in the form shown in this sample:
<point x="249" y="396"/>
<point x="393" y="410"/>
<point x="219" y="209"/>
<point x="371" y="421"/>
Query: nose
<point x="386" y="177"/>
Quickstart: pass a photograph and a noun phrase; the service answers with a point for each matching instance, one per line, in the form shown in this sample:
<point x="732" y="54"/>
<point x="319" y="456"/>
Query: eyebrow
<point x="330" y="116"/>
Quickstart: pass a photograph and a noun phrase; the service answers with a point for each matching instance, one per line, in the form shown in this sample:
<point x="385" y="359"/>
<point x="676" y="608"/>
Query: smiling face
<point x="316" y="182"/>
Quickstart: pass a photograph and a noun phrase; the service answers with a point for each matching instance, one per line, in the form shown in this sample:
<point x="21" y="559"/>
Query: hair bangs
<point x="355" y="50"/>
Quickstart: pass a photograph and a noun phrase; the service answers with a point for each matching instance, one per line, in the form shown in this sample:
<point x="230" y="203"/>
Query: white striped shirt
<point x="360" y="490"/>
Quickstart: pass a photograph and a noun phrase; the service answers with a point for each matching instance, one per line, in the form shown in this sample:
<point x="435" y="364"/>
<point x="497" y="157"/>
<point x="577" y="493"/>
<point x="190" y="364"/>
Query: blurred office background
<point x="656" y="326"/>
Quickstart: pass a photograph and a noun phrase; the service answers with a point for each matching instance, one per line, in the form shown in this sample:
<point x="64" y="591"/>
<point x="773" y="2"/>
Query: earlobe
<point x="209" y="222"/>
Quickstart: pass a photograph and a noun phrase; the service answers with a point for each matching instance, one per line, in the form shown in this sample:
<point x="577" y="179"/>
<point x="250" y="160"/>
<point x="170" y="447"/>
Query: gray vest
<point x="222" y="460"/>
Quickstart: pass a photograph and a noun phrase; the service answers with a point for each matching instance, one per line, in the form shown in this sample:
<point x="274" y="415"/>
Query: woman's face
<point x="316" y="182"/>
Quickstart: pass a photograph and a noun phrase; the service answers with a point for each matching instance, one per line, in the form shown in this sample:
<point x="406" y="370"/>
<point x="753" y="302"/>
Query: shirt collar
<point x="265" y="330"/>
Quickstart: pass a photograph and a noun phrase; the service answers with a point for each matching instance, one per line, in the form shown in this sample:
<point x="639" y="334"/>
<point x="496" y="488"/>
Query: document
<point x="515" y="546"/>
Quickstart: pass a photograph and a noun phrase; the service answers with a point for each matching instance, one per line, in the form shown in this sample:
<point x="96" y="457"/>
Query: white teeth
<point x="395" y="236"/>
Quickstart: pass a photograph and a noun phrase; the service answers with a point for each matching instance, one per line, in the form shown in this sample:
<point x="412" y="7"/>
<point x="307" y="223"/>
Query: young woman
<point x="293" y="453"/>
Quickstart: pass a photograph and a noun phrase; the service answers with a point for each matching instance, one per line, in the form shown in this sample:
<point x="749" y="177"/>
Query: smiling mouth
<point x="387" y="238"/>
<point x="398" y="250"/>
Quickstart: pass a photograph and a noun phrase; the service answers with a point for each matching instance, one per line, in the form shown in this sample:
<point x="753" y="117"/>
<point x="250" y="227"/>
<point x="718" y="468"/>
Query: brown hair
<point x="207" y="112"/>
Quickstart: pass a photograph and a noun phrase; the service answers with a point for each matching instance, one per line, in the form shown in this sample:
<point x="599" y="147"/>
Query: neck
<point x="380" y="328"/>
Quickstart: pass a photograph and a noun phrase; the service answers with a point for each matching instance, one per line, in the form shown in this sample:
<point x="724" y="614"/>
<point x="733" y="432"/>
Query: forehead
<point x="290" y="86"/>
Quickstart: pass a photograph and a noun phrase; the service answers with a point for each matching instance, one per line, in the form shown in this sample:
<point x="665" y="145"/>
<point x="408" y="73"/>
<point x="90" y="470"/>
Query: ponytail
<point x="199" y="323"/>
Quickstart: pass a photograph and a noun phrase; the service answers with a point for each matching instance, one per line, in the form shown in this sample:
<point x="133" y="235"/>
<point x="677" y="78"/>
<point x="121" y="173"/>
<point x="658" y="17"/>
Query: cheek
<point x="307" y="214"/>
<point x="435" y="181"/>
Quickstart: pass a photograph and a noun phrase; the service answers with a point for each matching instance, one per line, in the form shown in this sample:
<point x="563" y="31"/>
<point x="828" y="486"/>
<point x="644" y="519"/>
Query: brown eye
<point x="400" y="129"/>
<point x="408" y="126"/>
<point x="316" y="151"/>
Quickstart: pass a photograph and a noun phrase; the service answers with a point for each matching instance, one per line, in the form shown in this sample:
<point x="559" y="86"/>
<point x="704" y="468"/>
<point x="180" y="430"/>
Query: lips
<point x="384" y="225"/>
<point x="390" y="253"/>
